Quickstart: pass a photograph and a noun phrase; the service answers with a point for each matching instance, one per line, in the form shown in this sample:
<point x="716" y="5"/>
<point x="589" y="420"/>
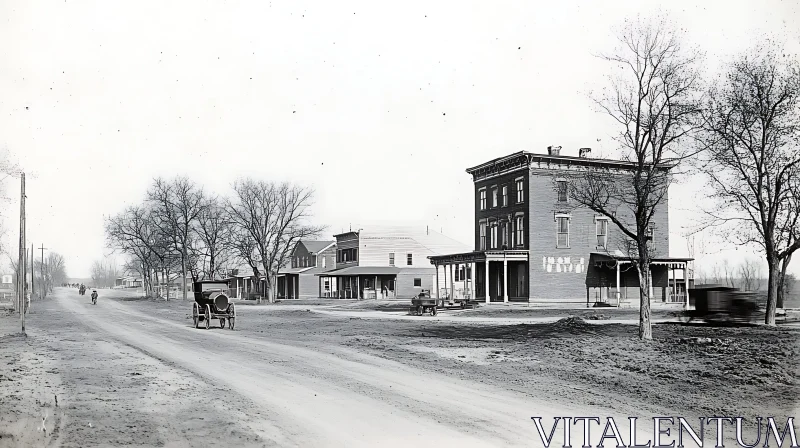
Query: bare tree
<point x="52" y="273"/>
<point x="654" y="99"/>
<point x="213" y="231"/>
<point x="750" y="273"/>
<point x="104" y="273"/>
<point x="268" y="219"/>
<point x="177" y="206"/>
<point x="135" y="233"/>
<point x="752" y="158"/>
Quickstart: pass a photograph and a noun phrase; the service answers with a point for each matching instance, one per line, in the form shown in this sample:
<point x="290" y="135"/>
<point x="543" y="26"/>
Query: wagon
<point x="211" y="302"/>
<point x="721" y="304"/>
<point x="423" y="303"/>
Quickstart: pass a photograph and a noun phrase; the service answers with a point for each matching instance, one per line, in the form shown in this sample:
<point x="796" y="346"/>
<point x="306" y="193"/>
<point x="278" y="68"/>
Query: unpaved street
<point x="134" y="378"/>
<point x="134" y="372"/>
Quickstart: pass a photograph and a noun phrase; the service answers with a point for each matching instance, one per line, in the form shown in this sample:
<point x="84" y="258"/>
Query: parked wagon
<point x="423" y="303"/>
<point x="721" y="304"/>
<point x="211" y="302"/>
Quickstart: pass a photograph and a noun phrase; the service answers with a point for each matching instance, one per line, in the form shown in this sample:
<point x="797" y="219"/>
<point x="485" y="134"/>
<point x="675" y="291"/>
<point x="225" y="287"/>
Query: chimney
<point x="553" y="150"/>
<point x="584" y="153"/>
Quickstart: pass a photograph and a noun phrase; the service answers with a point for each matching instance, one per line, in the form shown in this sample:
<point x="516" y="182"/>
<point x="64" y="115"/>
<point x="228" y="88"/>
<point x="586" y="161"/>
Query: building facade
<point x="386" y="262"/>
<point x="308" y="258"/>
<point x="532" y="242"/>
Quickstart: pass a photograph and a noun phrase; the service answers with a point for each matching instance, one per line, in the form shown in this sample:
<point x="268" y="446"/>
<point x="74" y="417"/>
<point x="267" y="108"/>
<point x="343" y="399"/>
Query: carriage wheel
<point x="196" y="315"/>
<point x="222" y="323"/>
<point x="420" y="310"/>
<point x="208" y="317"/>
<point x="433" y="311"/>
<point x="231" y="317"/>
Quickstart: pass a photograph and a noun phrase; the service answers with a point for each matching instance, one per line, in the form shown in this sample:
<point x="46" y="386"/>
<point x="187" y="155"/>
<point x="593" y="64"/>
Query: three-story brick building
<point x="532" y="242"/>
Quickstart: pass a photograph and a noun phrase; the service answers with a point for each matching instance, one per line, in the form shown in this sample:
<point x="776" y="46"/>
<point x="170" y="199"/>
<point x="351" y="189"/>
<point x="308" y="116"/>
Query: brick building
<point x="533" y="243"/>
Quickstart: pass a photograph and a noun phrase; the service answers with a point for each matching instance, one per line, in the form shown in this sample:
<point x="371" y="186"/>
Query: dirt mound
<point x="570" y="323"/>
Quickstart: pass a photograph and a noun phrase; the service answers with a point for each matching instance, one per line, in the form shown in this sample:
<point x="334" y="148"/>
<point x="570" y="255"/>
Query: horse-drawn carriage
<point x="721" y="304"/>
<point x="211" y="302"/>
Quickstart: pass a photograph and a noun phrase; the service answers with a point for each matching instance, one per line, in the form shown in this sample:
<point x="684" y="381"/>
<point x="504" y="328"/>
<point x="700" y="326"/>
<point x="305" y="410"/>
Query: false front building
<point x="533" y="243"/>
<point x="385" y="262"/>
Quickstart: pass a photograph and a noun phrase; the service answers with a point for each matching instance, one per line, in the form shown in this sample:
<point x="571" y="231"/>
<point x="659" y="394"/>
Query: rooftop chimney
<point x="553" y="150"/>
<point x="585" y="153"/>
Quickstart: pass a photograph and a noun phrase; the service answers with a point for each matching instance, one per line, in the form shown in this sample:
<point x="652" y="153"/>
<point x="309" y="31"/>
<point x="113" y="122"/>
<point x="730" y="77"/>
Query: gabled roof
<point x="316" y="247"/>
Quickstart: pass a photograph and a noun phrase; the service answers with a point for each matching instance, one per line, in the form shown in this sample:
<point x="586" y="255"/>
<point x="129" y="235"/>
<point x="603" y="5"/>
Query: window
<point x="391" y="259"/>
<point x="327" y="283"/>
<point x="494" y="197"/>
<point x="505" y="195"/>
<point x="324" y="259"/>
<point x="456" y="273"/>
<point x="562" y="190"/>
<point x="520" y="239"/>
<point x="520" y="191"/>
<point x="482" y="195"/>
<point x="346" y="255"/>
<point x="494" y="235"/>
<point x="601" y="226"/>
<point x="482" y="240"/>
<point x="409" y="259"/>
<point x="504" y="235"/>
<point x="649" y="233"/>
<point x="563" y="232"/>
<point x="417" y="282"/>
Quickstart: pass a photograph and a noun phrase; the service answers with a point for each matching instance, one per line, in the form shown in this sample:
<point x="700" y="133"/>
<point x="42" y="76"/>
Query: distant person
<point x="94" y="297"/>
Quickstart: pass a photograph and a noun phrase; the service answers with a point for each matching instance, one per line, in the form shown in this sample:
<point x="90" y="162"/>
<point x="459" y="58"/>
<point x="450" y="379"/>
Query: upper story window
<point x="520" y="231"/>
<point x="391" y="259"/>
<point x="494" y="197"/>
<point x="601" y="230"/>
<point x="504" y="235"/>
<point x="482" y="239"/>
<point x="482" y="195"/>
<point x="494" y="234"/>
<point x="505" y="195"/>
<point x="562" y="190"/>
<point x="409" y="259"/>
<point x="650" y="232"/>
<point x="346" y="255"/>
<point x="520" y="191"/>
<point x="562" y="235"/>
<point x="324" y="259"/>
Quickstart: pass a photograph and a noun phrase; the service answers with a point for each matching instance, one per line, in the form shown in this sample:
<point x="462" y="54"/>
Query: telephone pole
<point x="21" y="277"/>
<point x="43" y="285"/>
<point x="33" y="274"/>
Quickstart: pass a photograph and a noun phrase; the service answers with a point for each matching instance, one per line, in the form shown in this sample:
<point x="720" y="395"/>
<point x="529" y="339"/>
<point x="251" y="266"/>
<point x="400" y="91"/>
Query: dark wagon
<point x="423" y="303"/>
<point x="721" y="304"/>
<point x="211" y="301"/>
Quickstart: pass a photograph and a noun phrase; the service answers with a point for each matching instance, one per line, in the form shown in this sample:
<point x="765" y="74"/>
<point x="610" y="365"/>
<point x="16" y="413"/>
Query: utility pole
<point x="22" y="263"/>
<point x="44" y="282"/>
<point x="33" y="274"/>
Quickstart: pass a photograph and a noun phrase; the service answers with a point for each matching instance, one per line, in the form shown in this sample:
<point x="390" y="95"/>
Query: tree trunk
<point x="183" y="274"/>
<point x="643" y="268"/>
<point x="772" y="289"/>
<point x="645" y="330"/>
<point x="782" y="281"/>
<point x="211" y="266"/>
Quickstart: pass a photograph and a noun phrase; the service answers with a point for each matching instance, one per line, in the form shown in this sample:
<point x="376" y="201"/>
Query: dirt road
<point x="284" y="394"/>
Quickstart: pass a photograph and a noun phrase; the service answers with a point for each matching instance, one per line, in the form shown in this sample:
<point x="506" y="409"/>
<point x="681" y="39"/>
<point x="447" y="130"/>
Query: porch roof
<point x="361" y="270"/>
<point x="294" y="270"/>
<point x="478" y="256"/>
<point x="600" y="259"/>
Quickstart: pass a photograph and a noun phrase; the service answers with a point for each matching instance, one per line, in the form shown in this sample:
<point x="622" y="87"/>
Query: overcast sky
<point x="380" y="106"/>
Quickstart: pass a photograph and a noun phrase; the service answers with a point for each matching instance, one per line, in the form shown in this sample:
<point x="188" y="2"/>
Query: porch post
<point x="686" y="279"/>
<point x="358" y="287"/>
<point x="319" y="286"/>
<point x="618" y="292"/>
<point x="505" y="280"/>
<point x="674" y="283"/>
<point x="486" y="281"/>
<point x="452" y="286"/>
<point x="472" y="280"/>
<point x="437" y="281"/>
<point x="375" y="288"/>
